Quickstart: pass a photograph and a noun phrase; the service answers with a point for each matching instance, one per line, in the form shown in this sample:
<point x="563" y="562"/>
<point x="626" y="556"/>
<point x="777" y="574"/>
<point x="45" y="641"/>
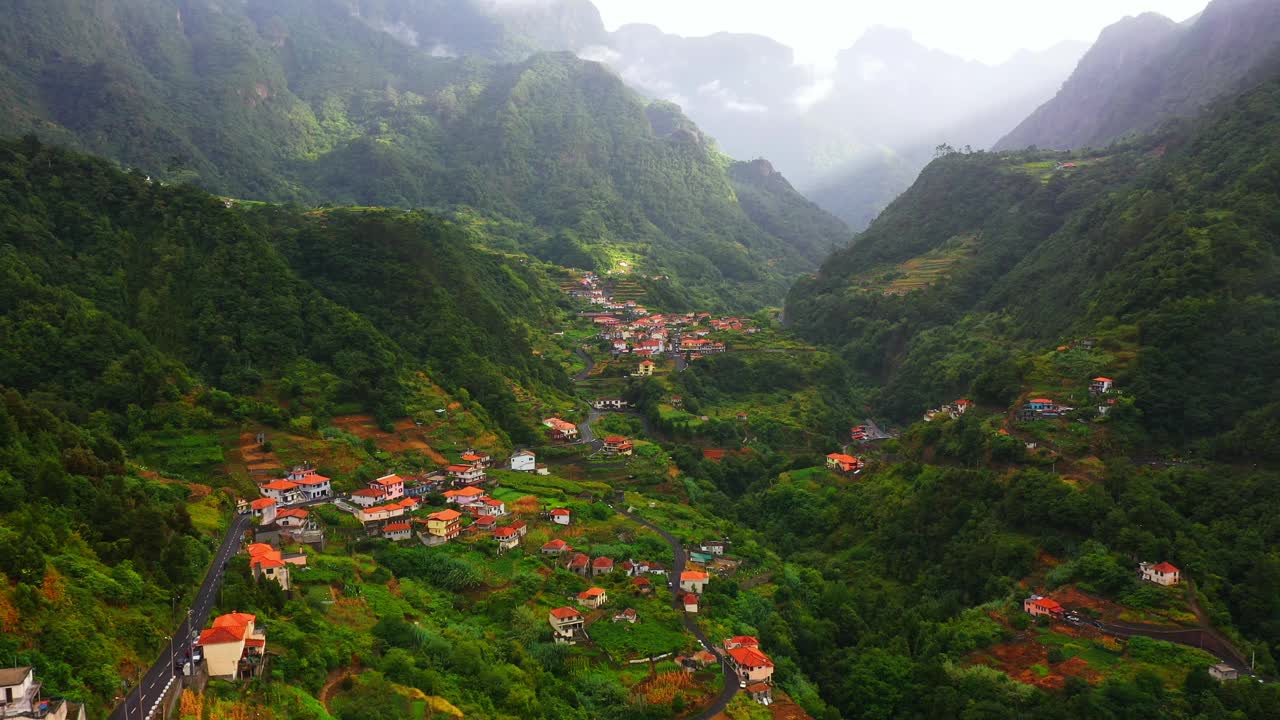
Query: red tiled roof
<point x="235" y="619"/>
<point x="493" y="502"/>
<point x="743" y="640"/>
<point x="640" y="581"/>
<point x="559" y="511"/>
<point x="593" y="592"/>
<point x="750" y="657"/>
<point x="690" y="599"/>
<point x="255" y="642"/>
<point x="464" y="492"/>
<point x="503" y="532"/>
<point x="397" y="527"/>
<point x="692" y="576"/>
<point x="459" y="468"/>
<point x="283" y="485"/>
<point x="388" y="480"/>
<point x="615" y="440"/>
<point x="369" y="492"/>
<point x="580" y="559"/>
<point x="1041" y="400"/>
<point x="472" y="457"/>
<point x="1166" y="567"/>
<point x="602" y="562"/>
<point x="1047" y="604"/>
<point x="312" y="480"/>
<point x="485" y="521"/>
<point x="565" y="613"/>
<point x="293" y="512"/>
<point x="1102" y="379"/>
<point x="262" y="503"/>
<point x="445" y="515"/>
<point x="220" y="635"/>
<point x="556" y="544"/>
<point x="518" y="525"/>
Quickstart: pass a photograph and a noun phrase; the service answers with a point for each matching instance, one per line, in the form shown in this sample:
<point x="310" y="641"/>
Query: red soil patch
<point x="784" y="708"/>
<point x="254" y="459"/>
<point x="407" y="436"/>
<point x="1073" y="599"/>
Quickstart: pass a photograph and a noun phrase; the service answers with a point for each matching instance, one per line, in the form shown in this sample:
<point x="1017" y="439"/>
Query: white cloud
<point x="600" y="54"/>
<point x="440" y="50"/>
<point x="729" y="100"/>
<point x="813" y="93"/>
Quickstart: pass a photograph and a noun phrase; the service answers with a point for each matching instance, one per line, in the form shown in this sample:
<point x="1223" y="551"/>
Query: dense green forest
<point x="1164" y="248"/>
<point x="302" y="101"/>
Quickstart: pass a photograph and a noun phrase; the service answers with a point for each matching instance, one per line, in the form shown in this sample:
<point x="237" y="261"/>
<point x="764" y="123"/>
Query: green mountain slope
<point x="304" y="101"/>
<point x="1166" y="246"/>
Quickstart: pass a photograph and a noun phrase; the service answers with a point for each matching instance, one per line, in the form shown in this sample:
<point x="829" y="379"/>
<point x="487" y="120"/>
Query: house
<point x="627" y="616"/>
<point x="491" y="507"/>
<point x="1038" y="606"/>
<point x="296" y="518"/>
<point x="593" y="598"/>
<point x="233" y="646"/>
<point x="282" y="491"/>
<point x="609" y="404"/>
<point x="368" y="497"/>
<point x="642" y="585"/>
<point x="677" y="402"/>
<point x="507" y="537"/>
<point x="555" y="547"/>
<point x="267" y="562"/>
<point x="561" y="430"/>
<point x="714" y="547"/>
<point x="475" y="457"/>
<point x="693" y="581"/>
<point x="524" y="461"/>
<point x="1223" y="672"/>
<point x="520" y="527"/>
<point x="311" y="485"/>
<point x="618" y="445"/>
<point x="485" y="523"/>
<point x="1161" y="574"/>
<point x="580" y="564"/>
<point x="567" y="625"/>
<point x="391" y="485"/>
<point x="761" y="693"/>
<point x="601" y="566"/>
<point x="750" y="665"/>
<point x="962" y="406"/>
<point x="381" y="513"/>
<point x="466" y="474"/>
<point x="690" y="603"/>
<point x="560" y="516"/>
<point x="443" y="526"/>
<point x="19" y="691"/>
<point x="741" y="641"/>
<point x="645" y="369"/>
<point x="843" y="463"/>
<point x="264" y="509"/>
<point x="1101" y="385"/>
<point x="397" y="531"/>
<point x="465" y="496"/>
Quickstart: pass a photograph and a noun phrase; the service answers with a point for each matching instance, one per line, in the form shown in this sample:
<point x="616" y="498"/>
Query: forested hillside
<point x="304" y="101"/>
<point x="1165" y="248"/>
<point x="1146" y="69"/>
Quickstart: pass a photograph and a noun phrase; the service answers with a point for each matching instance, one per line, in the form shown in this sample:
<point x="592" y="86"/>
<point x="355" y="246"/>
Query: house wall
<point x="223" y="659"/>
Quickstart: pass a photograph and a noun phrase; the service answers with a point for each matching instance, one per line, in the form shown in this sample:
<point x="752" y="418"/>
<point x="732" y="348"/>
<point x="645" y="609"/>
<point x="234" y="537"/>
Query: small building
<point x="750" y="665"/>
<point x="567" y="625"/>
<point x="444" y="525"/>
<point x="741" y="641"/>
<point x="311" y="485"/>
<point x="296" y="518"/>
<point x="593" y="597"/>
<point x="627" y="616"/>
<point x="601" y="566"/>
<point x="381" y="513"/>
<point x="520" y="527"/>
<point x="580" y="564"/>
<point x="466" y="474"/>
<point x="524" y="461"/>
<point x="555" y="547"/>
<point x="618" y="445"/>
<point x="267" y="562"/>
<point x="484" y="523"/>
<point x="561" y="429"/>
<point x="465" y="496"/>
<point x="761" y="693"/>
<point x="609" y="404"/>
<point x="475" y="457"/>
<point x="1100" y="385"/>
<point x="507" y="538"/>
<point x="233" y="646"/>
<point x="645" y="368"/>
<point x="714" y="547"/>
<point x="1039" y="606"/>
<point x="1161" y="573"/>
<point x="693" y="581"/>
<point x="392" y="486"/>
<point x="492" y="507"/>
<point x="642" y="585"/>
<point x="264" y="509"/>
<point x="397" y="531"/>
<point x="561" y="516"/>
<point x="843" y="463"/>
<point x="368" y="497"/>
<point x="677" y="402"/>
<point x="690" y="603"/>
<point x="19" y="691"/>
<point x="1223" y="672"/>
<point x="282" y="491"/>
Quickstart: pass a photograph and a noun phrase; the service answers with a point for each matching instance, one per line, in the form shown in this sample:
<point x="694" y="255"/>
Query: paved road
<point x="142" y="698"/>
<point x="690" y="624"/>
<point x="584" y="374"/>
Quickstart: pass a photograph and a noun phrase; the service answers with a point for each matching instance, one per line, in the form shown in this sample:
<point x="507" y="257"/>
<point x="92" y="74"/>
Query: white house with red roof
<point x="295" y="518"/>
<point x="464" y="496"/>
<point x="1164" y="573"/>
<point x="561" y="429"/>
<point x="264" y="509"/>
<point x="283" y="492"/>
<point x="397" y="531"/>
<point x="233" y="646"/>
<point x="690" y="603"/>
<point x="741" y="641"/>
<point x="466" y="474"/>
<point x="1100" y="385"/>
<point x="694" y="581"/>
<point x="561" y="516"/>
<point x="524" y="461"/>
<point x="1038" y="606"/>
<point x="843" y="463"/>
<point x="507" y="537"/>
<point x="567" y="625"/>
<point x="750" y="665"/>
<point x="556" y="547"/>
<point x="311" y="484"/>
<point x="267" y="562"/>
<point x="368" y="497"/>
<point x="382" y="512"/>
<point x="618" y="445"/>
<point x="601" y="566"/>
<point x="491" y="507"/>
<point x="475" y="457"/>
<point x="593" y="598"/>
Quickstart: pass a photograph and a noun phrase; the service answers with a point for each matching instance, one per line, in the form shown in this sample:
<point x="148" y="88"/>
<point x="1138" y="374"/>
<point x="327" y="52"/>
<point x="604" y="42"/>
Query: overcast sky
<point x="986" y="30"/>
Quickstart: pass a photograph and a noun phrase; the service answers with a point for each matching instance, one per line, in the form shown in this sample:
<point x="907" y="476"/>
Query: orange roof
<point x="262" y="503"/>
<point x="1102" y="379"/>
<point x="745" y="640"/>
<point x="396" y="527"/>
<point x="256" y="549"/>
<point x="485" y="520"/>
<point x="408" y="503"/>
<point x="640" y="581"/>
<point x="459" y="469"/>
<point x="841" y="458"/>
<point x="293" y="512"/>
<point x="692" y="576"/>
<point x="312" y="480"/>
<point x="1047" y="604"/>
<point x="388" y="480"/>
<point x="556" y="544"/>
<point x="593" y="592"/>
<point x="615" y="440"/>
<point x="579" y="559"/>
<point x="369" y="492"/>
<point x="493" y="502"/>
<point x="1166" y="567"/>
<point x="220" y="635"/>
<point x="464" y="492"/>
<point x="602" y="562"/>
<point x="750" y="657"/>
<point x="1041" y="400"/>
<point x="503" y="532"/>
<point x="559" y="511"/>
<point x="283" y="485"/>
<point x="235" y="619"/>
<point x="565" y="613"/>
<point x="445" y="515"/>
<point x="472" y="457"/>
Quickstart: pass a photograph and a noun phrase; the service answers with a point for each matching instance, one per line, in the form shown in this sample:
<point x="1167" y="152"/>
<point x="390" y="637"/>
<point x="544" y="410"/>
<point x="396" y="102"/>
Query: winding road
<point x="690" y="624"/>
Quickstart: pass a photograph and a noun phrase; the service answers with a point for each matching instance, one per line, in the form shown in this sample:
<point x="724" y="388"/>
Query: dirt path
<point x="332" y="681"/>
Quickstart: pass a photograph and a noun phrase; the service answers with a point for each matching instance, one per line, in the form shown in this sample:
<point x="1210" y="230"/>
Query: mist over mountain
<point x="1148" y="68"/>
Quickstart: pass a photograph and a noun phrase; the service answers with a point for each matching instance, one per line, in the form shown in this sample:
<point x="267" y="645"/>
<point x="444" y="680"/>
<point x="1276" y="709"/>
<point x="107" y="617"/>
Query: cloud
<point x="440" y="50"/>
<point x="399" y="31"/>
<point x="729" y="100"/>
<point x="600" y="54"/>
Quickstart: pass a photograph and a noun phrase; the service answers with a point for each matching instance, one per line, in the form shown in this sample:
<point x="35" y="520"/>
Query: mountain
<point x="1163" y="249"/>
<point x="852" y="138"/>
<point x="332" y="102"/>
<point x="1146" y="69"/>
